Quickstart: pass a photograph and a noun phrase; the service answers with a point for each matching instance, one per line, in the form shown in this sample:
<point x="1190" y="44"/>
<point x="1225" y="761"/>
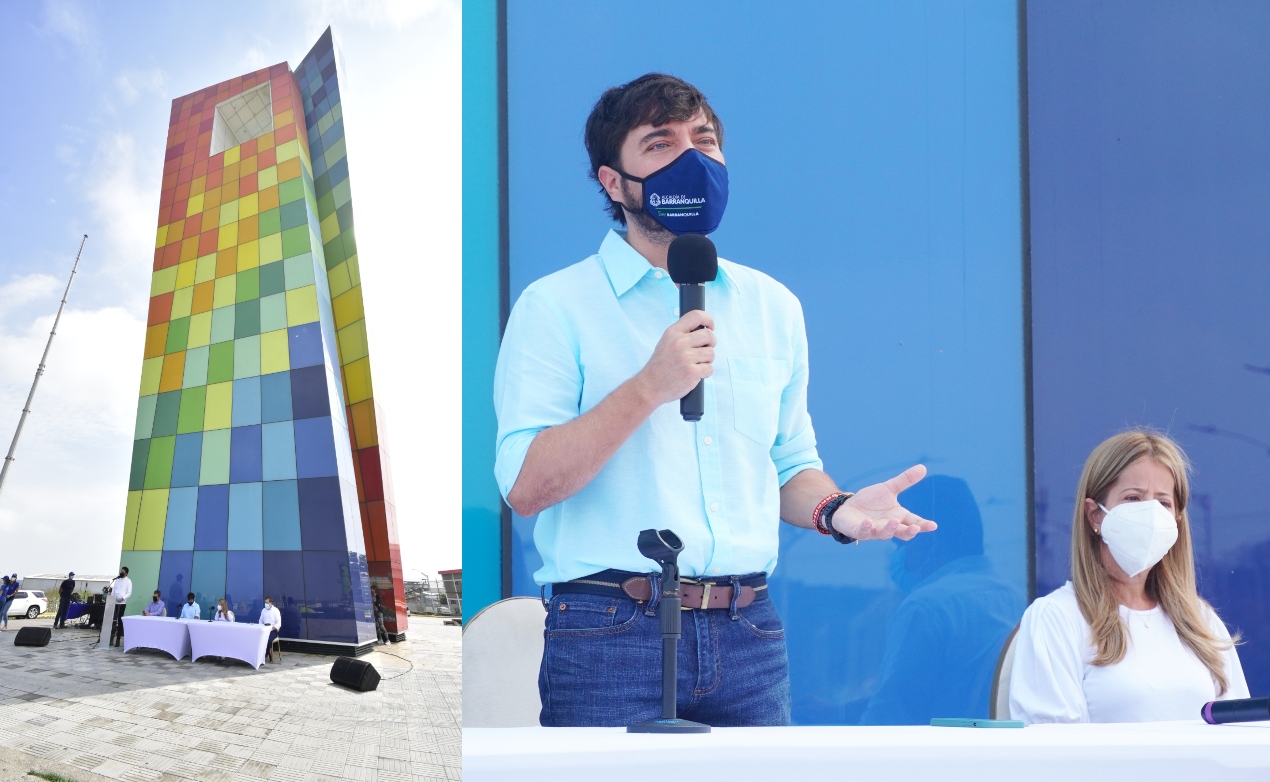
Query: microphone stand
<point x="107" y="615"/>
<point x="663" y="548"/>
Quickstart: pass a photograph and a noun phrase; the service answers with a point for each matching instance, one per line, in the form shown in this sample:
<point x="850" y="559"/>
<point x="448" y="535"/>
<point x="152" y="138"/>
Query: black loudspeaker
<point x="40" y="636"/>
<point x="96" y="612"/>
<point x="358" y="674"/>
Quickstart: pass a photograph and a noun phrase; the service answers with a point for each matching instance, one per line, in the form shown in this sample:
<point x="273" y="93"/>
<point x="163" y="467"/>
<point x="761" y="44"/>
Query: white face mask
<point x="1139" y="534"/>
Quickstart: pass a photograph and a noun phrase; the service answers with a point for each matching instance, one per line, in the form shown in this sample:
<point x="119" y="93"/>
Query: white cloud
<point x="376" y="13"/>
<point x="410" y="254"/>
<point x="67" y="155"/>
<point x="123" y="197"/>
<point x="83" y="379"/>
<point x="63" y="502"/>
<point x="66" y="20"/>
<point x="64" y="496"/>
<point x="124" y="205"/>
<point x="254" y="59"/>
<point x="26" y="289"/>
<point x="132" y="83"/>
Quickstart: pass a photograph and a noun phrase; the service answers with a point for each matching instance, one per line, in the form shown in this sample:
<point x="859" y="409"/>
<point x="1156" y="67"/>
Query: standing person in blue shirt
<point x="589" y="439"/>
<point x="191" y="609"/>
<point x="7" y="589"/>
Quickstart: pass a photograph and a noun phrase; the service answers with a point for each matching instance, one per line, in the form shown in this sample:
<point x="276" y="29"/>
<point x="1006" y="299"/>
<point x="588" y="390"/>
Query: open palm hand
<point x="875" y="513"/>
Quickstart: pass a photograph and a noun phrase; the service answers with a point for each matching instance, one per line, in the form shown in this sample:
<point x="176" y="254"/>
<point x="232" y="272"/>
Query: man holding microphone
<point x="592" y="359"/>
<point x="119" y="595"/>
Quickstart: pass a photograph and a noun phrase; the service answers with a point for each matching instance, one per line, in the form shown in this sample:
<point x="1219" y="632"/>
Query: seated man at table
<point x="157" y="607"/>
<point x="191" y="610"/>
<point x="272" y="617"/>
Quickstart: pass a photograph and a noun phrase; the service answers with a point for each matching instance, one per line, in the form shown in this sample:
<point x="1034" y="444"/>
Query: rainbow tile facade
<point x="259" y="465"/>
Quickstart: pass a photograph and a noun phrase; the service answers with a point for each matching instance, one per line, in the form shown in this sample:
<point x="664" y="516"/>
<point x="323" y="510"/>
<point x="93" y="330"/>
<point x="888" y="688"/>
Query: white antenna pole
<point x="8" y="460"/>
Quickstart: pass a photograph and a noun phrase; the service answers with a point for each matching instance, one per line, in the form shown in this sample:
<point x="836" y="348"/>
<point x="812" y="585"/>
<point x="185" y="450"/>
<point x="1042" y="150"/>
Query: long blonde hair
<point x="1171" y="582"/>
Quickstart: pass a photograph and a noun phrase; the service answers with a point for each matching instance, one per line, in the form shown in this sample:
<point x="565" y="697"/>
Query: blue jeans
<point x="4" y="612"/>
<point x="601" y="666"/>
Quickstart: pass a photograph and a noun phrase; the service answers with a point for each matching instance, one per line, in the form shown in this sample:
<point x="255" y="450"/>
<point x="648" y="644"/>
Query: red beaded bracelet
<point x="822" y="527"/>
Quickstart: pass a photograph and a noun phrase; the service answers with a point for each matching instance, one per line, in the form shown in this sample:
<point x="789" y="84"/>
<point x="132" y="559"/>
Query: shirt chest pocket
<point x="757" y="384"/>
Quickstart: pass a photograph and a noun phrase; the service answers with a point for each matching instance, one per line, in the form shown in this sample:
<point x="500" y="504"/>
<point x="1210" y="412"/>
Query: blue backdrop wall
<point x="1150" y="187"/>
<point x="874" y="157"/>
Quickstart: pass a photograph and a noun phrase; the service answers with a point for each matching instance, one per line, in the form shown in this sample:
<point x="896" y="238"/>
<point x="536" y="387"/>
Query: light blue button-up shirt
<point x="191" y="611"/>
<point x="576" y="335"/>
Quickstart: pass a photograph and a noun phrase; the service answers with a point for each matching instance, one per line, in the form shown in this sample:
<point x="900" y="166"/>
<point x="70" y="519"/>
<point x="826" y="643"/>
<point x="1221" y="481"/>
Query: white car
<point x="28" y="603"/>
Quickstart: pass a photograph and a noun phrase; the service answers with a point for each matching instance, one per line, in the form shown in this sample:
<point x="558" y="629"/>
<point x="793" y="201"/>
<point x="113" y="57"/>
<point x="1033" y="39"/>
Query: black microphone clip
<point x="663" y="547"/>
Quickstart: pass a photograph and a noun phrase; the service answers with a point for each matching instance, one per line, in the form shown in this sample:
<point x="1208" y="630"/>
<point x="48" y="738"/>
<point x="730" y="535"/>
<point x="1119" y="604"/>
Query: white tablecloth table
<point x="1159" y="752"/>
<point x="238" y="640"/>
<point x="157" y="632"/>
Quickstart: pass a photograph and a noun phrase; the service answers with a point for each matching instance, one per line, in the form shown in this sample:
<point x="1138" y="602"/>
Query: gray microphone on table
<point x="692" y="262"/>
<point x="1243" y="710"/>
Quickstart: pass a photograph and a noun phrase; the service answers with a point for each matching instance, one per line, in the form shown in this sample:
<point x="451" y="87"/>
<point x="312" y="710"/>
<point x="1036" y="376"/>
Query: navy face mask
<point x="687" y="196"/>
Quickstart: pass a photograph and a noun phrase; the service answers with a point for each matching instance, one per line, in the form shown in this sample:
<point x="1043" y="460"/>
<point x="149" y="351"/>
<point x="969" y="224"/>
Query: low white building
<point x="50" y="583"/>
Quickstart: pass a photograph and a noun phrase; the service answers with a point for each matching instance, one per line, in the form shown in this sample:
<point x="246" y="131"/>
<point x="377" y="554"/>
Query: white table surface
<point x="1159" y="752"/>
<point x="157" y="632"/>
<point x="238" y="640"/>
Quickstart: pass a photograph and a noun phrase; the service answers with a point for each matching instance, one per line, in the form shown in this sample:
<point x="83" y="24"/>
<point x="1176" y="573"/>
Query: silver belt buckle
<point x="705" y="595"/>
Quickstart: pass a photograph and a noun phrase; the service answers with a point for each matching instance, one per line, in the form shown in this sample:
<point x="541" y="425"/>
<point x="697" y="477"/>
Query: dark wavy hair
<point x="652" y="99"/>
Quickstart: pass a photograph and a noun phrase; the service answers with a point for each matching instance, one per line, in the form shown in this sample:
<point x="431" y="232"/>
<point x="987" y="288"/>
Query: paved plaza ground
<point x="92" y="714"/>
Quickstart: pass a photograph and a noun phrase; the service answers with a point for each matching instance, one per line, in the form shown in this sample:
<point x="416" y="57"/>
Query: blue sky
<point x="84" y="116"/>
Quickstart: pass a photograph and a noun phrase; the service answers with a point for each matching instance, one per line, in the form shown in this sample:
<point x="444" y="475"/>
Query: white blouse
<point x="1160" y="678"/>
<point x="219" y="618"/>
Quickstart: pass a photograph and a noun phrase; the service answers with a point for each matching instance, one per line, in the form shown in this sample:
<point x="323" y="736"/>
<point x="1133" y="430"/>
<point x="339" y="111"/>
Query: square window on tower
<point x="242" y="118"/>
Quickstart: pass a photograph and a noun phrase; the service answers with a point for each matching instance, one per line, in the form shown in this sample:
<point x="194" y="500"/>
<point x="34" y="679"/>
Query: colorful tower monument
<point x="318" y="77"/>
<point x="259" y="465"/>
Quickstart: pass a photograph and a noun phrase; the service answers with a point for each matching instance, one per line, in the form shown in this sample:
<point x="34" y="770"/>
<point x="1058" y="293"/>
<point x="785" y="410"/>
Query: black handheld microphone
<point x="1244" y="710"/>
<point x="692" y="262"/>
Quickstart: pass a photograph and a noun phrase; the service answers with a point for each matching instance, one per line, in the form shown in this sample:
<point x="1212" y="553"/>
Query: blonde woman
<point x="223" y="614"/>
<point x="1128" y="639"/>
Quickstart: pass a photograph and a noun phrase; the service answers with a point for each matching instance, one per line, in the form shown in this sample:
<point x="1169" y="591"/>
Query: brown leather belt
<point x="694" y="595"/>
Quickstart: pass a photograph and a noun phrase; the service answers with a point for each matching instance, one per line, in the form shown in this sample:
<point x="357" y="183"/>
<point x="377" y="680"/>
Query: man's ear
<point x="611" y="181"/>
